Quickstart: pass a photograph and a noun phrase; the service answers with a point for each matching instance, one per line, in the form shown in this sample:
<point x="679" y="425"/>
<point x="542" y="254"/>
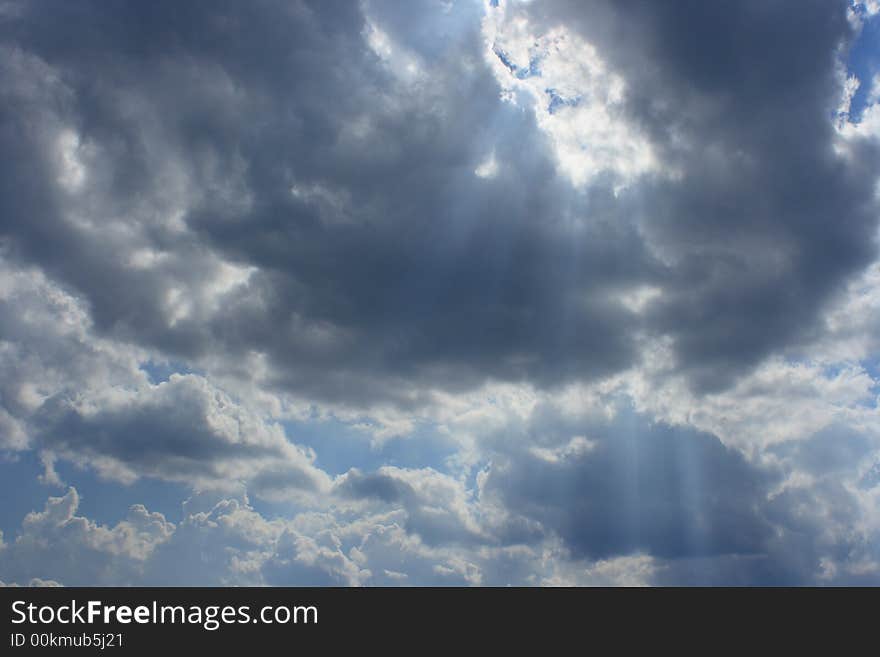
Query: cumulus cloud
<point x="332" y="222"/>
<point x="76" y="550"/>
<point x="90" y="401"/>
<point x="178" y="430"/>
<point x="619" y="262"/>
<point x="232" y="544"/>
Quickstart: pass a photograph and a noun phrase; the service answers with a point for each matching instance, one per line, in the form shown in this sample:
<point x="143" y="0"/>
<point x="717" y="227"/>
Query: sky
<point x="448" y="293"/>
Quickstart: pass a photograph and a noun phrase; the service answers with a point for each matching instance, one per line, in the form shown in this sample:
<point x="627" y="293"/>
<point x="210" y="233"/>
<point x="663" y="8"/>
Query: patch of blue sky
<point x="864" y="63"/>
<point x="106" y="502"/>
<point x="872" y="367"/>
<point x="272" y="509"/>
<point x="159" y="371"/>
<point x="471" y="482"/>
<point x="520" y="72"/>
<point x="21" y="490"/>
<point x="558" y="101"/>
<point x="871" y="478"/>
<point x="340" y="446"/>
<point x="829" y="371"/>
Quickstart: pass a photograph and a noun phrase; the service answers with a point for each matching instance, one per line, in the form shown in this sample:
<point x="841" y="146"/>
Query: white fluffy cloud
<point x="86" y="400"/>
<point x="231" y="544"/>
<point x="809" y="427"/>
<point x="574" y="95"/>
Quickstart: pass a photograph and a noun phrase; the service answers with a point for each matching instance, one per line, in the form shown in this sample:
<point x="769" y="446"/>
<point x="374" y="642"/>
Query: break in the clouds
<point x="458" y="292"/>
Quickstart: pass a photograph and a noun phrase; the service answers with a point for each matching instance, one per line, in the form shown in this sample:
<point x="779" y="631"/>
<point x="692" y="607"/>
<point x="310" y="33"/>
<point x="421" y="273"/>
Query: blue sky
<point x="863" y="62"/>
<point x="439" y="293"/>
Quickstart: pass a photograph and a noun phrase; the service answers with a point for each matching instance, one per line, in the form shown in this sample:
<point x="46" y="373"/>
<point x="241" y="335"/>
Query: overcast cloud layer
<point x="426" y="293"/>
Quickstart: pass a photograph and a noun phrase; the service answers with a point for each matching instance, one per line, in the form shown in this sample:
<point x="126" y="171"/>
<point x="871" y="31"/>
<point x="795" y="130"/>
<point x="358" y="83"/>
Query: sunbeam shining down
<point x="548" y="292"/>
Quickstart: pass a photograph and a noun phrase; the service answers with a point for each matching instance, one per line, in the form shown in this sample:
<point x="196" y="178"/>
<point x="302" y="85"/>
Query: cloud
<point x="620" y="262"/>
<point x="642" y="489"/>
<point x="180" y="430"/>
<point x="309" y="206"/>
<point x="34" y="582"/>
<point x="86" y="400"/>
<point x="232" y="544"/>
<point x="76" y="550"/>
<point x="336" y="278"/>
<point x="743" y="116"/>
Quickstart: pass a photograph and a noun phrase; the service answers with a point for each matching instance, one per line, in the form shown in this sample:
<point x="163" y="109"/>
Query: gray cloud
<point x="181" y="430"/>
<point x="343" y="203"/>
<point x="766" y="221"/>
<point x="231" y="544"/>
<point x="640" y="489"/>
<point x="77" y="397"/>
<point x="378" y="252"/>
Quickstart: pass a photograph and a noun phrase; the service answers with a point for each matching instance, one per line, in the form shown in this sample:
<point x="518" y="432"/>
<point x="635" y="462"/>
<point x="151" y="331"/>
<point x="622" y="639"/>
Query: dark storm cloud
<point x="637" y="487"/>
<point x="766" y="220"/>
<point x="381" y="264"/>
<point x="394" y="263"/>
